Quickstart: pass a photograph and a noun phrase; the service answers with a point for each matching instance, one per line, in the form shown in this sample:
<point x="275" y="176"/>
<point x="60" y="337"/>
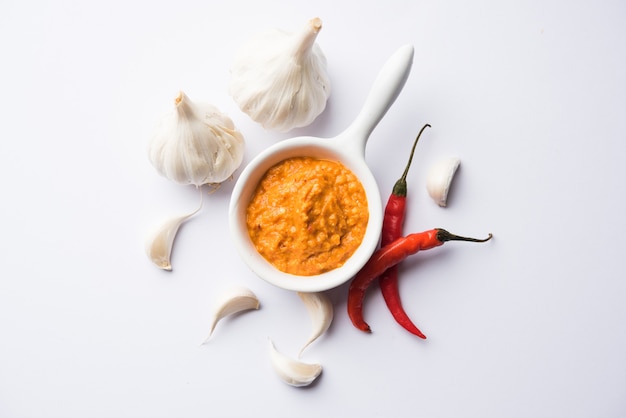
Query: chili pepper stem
<point x="443" y="236"/>
<point x="399" y="189"/>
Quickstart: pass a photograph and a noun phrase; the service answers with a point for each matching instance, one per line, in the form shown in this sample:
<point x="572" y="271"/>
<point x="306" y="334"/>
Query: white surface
<point x="530" y="95"/>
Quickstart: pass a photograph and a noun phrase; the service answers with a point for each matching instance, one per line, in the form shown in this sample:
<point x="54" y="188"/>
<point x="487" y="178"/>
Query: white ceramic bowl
<point x="347" y="148"/>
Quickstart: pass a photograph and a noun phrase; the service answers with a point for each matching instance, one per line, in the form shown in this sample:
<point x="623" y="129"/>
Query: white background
<point x="531" y="96"/>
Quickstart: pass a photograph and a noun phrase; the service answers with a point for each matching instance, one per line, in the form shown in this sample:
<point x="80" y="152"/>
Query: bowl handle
<point x="382" y="94"/>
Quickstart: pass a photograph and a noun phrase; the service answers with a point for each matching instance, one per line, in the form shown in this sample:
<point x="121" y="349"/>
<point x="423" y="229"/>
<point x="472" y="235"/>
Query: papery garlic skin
<point x="196" y="144"/>
<point x="320" y="309"/>
<point x="234" y="300"/>
<point x="439" y="179"/>
<point x="291" y="371"/>
<point x="280" y="79"/>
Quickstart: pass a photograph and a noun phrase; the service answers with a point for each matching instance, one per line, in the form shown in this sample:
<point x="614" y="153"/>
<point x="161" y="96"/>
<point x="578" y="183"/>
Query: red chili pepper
<point x="392" y="230"/>
<point x="389" y="256"/>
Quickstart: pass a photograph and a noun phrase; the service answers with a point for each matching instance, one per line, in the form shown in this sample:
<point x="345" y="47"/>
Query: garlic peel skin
<point x="234" y="300"/>
<point x="320" y="309"/>
<point x="291" y="371"/>
<point x="159" y="245"/>
<point x="280" y="79"/>
<point x="439" y="179"/>
<point x="196" y="144"/>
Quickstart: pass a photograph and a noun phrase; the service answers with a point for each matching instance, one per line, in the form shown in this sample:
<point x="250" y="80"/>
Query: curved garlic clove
<point x="235" y="299"/>
<point x="280" y="79"/>
<point x="293" y="372"/>
<point x="196" y="144"/>
<point x="320" y="309"/>
<point x="159" y="245"/>
<point x="440" y="178"/>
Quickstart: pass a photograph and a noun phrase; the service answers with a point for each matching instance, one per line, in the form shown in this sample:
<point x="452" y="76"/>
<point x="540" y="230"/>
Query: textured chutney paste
<point x="307" y="216"/>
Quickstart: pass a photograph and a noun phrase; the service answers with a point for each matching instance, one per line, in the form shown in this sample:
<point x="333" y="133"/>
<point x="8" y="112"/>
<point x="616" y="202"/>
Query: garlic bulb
<point x="280" y="79"/>
<point x="320" y="309"/>
<point x="236" y="299"/>
<point x="196" y="144"/>
<point x="440" y="178"/>
<point x="291" y="371"/>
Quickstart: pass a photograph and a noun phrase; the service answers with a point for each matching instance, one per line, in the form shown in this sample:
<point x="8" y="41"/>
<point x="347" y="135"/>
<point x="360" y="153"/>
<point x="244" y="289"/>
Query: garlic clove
<point x="440" y="178"/>
<point x="291" y="371"/>
<point x="196" y="144"/>
<point x="234" y="300"/>
<point x="320" y="309"/>
<point x="280" y="79"/>
<point x="160" y="243"/>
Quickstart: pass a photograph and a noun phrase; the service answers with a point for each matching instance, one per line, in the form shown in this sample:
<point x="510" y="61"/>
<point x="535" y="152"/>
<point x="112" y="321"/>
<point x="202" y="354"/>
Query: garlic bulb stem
<point x="306" y="38"/>
<point x="183" y="106"/>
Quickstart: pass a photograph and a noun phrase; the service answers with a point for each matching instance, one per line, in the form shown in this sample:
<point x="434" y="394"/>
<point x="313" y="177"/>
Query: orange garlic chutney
<point x="307" y="216"/>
